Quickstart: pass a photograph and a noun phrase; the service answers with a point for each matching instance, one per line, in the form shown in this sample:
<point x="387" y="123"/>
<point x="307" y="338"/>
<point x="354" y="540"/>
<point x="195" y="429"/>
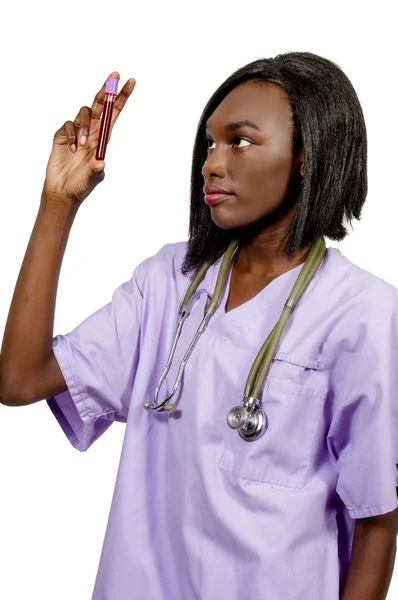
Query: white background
<point x="54" y="501"/>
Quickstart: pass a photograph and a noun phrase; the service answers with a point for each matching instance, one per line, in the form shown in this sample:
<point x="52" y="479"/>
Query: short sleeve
<point x="363" y="433"/>
<point x="99" y="360"/>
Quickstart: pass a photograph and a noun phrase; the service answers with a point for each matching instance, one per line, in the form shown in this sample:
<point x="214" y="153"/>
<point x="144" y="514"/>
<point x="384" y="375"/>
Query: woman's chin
<point x="227" y="221"/>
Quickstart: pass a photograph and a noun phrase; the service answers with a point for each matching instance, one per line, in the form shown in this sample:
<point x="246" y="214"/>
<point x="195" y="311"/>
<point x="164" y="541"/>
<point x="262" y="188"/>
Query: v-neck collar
<point x="268" y="303"/>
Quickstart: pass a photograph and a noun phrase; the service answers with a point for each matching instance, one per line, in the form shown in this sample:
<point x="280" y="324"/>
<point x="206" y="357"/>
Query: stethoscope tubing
<point x="263" y="361"/>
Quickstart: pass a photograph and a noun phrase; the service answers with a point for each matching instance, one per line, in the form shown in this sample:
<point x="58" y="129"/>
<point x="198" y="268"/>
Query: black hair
<point x="327" y="122"/>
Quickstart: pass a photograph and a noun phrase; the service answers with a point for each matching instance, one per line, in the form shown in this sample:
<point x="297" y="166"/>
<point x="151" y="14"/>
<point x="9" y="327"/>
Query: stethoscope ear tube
<point x="186" y="306"/>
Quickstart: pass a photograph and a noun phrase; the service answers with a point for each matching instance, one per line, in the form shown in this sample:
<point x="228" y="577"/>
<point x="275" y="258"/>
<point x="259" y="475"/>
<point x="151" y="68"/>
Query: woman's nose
<point x="214" y="165"/>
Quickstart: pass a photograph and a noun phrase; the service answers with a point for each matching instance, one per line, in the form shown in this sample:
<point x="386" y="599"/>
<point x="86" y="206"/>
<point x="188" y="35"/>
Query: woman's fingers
<point x="82" y="123"/>
<point x="121" y="99"/>
<point x="70" y="132"/>
<point x="98" y="104"/>
<point x="77" y="131"/>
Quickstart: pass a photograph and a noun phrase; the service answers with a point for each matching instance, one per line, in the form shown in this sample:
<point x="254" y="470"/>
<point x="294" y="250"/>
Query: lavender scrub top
<point x="197" y="512"/>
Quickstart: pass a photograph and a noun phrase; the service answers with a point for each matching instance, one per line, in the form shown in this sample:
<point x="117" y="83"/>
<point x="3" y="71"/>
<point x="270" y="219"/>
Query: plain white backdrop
<point x="54" y="501"/>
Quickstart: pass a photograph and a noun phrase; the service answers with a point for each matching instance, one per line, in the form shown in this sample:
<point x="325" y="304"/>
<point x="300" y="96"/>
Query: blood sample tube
<point x="110" y="95"/>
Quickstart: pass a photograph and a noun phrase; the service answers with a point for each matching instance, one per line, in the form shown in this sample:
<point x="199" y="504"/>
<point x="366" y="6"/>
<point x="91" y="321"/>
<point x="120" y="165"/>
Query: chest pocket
<point x="282" y="455"/>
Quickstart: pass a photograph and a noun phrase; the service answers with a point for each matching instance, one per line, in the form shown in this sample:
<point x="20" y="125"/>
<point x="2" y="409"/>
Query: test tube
<point x="111" y="86"/>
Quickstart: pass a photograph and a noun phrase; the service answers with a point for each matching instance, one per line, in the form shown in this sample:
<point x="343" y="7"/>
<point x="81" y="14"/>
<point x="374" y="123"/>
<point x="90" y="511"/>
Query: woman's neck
<point x="263" y="258"/>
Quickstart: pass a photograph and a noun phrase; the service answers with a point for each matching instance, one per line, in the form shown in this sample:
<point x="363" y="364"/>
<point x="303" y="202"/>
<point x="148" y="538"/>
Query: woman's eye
<point x="239" y="140"/>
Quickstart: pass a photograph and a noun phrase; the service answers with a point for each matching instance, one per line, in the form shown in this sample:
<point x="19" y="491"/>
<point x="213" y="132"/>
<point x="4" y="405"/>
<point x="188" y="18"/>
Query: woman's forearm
<point x="26" y="348"/>
<point x="372" y="558"/>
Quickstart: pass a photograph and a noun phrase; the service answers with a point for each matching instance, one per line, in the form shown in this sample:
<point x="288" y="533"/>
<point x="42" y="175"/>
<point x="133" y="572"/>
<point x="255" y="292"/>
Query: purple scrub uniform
<point x="198" y="513"/>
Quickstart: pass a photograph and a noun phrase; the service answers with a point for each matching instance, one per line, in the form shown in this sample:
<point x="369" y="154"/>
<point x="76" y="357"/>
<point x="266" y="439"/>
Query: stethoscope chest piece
<point x="250" y="421"/>
<point x="255" y="427"/>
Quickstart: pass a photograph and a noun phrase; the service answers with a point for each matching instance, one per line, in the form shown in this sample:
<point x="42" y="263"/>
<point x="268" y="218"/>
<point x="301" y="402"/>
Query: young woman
<point x="294" y="495"/>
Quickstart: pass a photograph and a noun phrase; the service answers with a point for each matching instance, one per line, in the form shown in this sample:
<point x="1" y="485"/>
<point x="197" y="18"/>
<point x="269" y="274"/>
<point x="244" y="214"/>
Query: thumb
<point x="98" y="174"/>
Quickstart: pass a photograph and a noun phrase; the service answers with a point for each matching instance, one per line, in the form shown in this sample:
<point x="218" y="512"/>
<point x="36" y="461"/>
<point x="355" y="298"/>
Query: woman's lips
<point x="214" y="194"/>
<point x="211" y="199"/>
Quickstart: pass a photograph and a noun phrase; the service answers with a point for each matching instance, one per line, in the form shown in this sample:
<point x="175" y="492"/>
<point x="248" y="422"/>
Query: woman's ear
<point x="300" y="158"/>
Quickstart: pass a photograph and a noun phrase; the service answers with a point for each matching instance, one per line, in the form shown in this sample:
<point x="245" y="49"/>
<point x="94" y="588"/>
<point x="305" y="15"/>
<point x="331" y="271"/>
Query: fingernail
<point x="73" y="147"/>
<point x="83" y="139"/>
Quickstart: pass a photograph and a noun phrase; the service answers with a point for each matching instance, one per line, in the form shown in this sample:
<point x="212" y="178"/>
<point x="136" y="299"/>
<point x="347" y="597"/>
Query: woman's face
<point x="250" y="155"/>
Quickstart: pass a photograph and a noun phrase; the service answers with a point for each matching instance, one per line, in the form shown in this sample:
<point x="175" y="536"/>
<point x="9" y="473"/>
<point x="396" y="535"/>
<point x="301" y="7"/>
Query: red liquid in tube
<point x="106" y="118"/>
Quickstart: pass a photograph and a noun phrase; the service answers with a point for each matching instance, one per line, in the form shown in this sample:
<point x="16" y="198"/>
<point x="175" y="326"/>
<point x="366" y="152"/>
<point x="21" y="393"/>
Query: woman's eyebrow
<point x="238" y="125"/>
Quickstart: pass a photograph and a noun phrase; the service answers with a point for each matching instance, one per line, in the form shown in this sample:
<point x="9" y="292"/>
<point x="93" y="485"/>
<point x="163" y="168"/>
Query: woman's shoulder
<point x="356" y="288"/>
<point x="163" y="267"/>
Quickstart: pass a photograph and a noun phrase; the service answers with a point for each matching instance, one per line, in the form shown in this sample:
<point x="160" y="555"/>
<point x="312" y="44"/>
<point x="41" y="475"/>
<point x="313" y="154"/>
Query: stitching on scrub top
<point x="255" y="479"/>
<point x="108" y="413"/>
<point x="306" y="363"/>
<point x="349" y="507"/>
<point x="80" y="393"/>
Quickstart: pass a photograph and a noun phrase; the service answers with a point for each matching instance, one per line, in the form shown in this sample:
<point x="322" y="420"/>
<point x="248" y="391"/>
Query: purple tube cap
<point x="111" y="86"/>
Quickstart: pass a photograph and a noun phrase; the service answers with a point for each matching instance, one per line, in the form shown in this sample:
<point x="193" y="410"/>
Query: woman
<point x="307" y="511"/>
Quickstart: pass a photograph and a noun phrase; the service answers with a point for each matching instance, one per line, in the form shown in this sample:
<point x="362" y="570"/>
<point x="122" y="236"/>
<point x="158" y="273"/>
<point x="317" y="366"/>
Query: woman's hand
<point x="72" y="170"/>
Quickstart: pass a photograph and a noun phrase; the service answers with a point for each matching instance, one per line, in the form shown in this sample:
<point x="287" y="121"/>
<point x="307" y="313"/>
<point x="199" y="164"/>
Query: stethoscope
<point x="248" y="418"/>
